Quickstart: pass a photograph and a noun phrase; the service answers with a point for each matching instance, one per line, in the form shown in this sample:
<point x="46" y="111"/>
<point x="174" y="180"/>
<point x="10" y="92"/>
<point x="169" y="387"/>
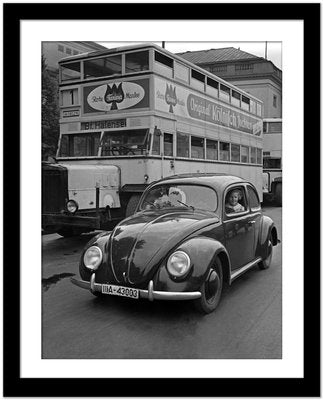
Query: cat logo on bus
<point x="115" y="96"/>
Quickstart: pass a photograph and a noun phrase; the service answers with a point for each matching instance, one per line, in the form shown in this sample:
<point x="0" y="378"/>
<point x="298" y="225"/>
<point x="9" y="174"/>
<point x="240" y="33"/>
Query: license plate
<point x="120" y="291"/>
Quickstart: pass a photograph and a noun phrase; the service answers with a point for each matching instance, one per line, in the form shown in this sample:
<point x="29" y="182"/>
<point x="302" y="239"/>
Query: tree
<point x="50" y="113"/>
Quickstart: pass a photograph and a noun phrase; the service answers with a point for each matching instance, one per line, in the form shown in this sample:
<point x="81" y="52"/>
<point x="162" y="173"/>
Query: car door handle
<point x="251" y="222"/>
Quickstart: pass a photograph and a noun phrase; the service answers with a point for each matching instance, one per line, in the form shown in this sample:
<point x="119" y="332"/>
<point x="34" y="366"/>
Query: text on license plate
<point x="120" y="291"/>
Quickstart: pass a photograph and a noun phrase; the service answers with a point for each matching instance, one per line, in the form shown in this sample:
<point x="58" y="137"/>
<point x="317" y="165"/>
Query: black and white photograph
<point x="164" y="183"/>
<point x="161" y="242"/>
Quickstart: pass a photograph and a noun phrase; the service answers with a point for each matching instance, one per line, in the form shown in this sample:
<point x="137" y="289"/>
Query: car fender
<point x="202" y="252"/>
<point x="267" y="227"/>
<point x="100" y="240"/>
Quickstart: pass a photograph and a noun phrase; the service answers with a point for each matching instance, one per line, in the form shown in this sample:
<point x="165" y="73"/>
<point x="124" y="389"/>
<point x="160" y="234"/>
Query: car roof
<point x="217" y="181"/>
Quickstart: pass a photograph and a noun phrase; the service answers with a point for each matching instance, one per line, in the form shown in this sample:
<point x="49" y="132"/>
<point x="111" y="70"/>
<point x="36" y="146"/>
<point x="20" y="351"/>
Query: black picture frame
<point x="13" y="384"/>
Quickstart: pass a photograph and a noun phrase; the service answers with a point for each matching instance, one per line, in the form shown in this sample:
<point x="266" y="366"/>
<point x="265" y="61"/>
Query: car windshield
<point x="183" y="196"/>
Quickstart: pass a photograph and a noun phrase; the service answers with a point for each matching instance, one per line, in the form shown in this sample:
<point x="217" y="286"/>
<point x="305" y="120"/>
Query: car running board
<point x="243" y="269"/>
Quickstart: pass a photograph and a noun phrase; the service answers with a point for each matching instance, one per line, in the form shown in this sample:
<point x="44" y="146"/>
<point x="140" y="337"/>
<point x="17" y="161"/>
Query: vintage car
<point x="190" y="235"/>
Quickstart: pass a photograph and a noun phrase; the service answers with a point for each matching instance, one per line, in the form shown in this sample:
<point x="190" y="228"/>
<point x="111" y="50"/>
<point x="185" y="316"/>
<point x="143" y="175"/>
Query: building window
<point x="274" y="101"/>
<point x="235" y="152"/>
<point x="182" y="144"/>
<point x="219" y="68"/>
<point x="61" y="48"/>
<point x="243" y="67"/>
<point x="75" y="52"/>
<point x="197" y="147"/>
<point x="274" y="163"/>
<point x="138" y="61"/>
<point x="68" y="50"/>
<point x="224" y="151"/>
<point x="244" y="154"/>
<point x="211" y="149"/>
<point x="168" y="144"/>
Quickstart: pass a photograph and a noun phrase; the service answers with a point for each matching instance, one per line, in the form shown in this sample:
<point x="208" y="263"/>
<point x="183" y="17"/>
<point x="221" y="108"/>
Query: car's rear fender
<point x="267" y="228"/>
<point x="202" y="252"/>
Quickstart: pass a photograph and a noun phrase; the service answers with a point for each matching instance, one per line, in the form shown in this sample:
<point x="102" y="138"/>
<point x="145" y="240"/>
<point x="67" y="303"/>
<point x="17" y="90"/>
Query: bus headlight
<point x="72" y="206"/>
<point x="92" y="257"/>
<point x="178" y="263"/>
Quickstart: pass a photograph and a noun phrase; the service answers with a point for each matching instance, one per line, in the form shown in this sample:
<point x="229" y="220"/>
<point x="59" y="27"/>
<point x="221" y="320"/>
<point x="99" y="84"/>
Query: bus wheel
<point x="132" y="204"/>
<point x="278" y="194"/>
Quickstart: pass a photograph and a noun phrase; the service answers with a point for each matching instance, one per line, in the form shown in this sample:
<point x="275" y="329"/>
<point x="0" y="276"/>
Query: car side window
<point x="253" y="199"/>
<point x="235" y="201"/>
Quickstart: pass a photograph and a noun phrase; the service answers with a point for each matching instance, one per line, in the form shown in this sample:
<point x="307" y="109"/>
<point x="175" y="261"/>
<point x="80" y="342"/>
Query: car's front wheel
<point x="211" y="289"/>
<point x="264" y="264"/>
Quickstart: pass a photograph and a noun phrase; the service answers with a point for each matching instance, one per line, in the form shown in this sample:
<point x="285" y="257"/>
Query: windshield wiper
<point x="186" y="205"/>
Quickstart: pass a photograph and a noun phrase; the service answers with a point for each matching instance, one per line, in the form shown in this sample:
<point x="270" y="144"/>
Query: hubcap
<point x="212" y="286"/>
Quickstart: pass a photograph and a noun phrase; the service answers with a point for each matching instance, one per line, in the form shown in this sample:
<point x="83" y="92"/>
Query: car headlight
<point x="72" y="206"/>
<point x="178" y="263"/>
<point x="92" y="257"/>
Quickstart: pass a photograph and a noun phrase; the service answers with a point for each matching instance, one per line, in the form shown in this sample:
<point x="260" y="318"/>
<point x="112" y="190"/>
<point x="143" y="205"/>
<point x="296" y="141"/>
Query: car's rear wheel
<point x="211" y="289"/>
<point x="264" y="264"/>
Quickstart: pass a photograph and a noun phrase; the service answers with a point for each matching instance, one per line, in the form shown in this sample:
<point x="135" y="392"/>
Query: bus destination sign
<point x="109" y="124"/>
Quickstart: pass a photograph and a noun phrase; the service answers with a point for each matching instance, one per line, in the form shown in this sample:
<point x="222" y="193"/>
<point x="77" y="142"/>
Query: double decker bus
<point x="132" y="115"/>
<point x="272" y="159"/>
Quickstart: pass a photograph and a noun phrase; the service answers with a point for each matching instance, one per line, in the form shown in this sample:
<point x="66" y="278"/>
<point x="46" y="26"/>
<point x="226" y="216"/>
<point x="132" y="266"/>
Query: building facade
<point x="255" y="75"/>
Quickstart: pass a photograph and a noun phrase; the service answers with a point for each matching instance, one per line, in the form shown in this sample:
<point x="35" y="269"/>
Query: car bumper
<point x="149" y="294"/>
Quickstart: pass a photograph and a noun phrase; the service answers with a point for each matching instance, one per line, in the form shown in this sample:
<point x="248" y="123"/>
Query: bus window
<point x="211" y="149"/>
<point x="71" y="71"/>
<point x="156" y="144"/>
<point x="224" y="151"/>
<point x="197" y="147"/>
<point x="102" y="66"/>
<point x="259" y="157"/>
<point x="245" y="103"/>
<point x="235" y="99"/>
<point x="235" y="152"/>
<point x="244" y="154"/>
<point x="122" y="143"/>
<point x="182" y="142"/>
<point x="224" y="92"/>
<point x="181" y="72"/>
<point x="138" y="61"/>
<point x="252" y="106"/>
<point x="253" y="155"/>
<point x="168" y="144"/>
<point x="79" y="145"/>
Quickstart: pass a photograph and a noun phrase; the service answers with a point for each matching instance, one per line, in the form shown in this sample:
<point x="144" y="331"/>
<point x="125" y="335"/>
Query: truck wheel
<point x="211" y="290"/>
<point x="132" y="204"/>
<point x="278" y="194"/>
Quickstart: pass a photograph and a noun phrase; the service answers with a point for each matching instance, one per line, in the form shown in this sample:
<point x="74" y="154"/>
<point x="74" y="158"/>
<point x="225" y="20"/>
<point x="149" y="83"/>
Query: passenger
<point x="232" y="204"/>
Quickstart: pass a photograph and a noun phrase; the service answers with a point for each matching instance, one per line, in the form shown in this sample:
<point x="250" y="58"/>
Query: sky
<point x="274" y="49"/>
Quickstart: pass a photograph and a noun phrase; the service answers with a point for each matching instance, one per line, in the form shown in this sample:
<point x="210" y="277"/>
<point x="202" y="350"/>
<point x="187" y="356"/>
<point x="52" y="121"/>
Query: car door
<point x="255" y="213"/>
<point x="239" y="230"/>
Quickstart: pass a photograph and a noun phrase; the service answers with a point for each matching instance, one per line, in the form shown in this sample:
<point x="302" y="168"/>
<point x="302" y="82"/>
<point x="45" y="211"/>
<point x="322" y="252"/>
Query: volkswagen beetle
<point x="190" y="235"/>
